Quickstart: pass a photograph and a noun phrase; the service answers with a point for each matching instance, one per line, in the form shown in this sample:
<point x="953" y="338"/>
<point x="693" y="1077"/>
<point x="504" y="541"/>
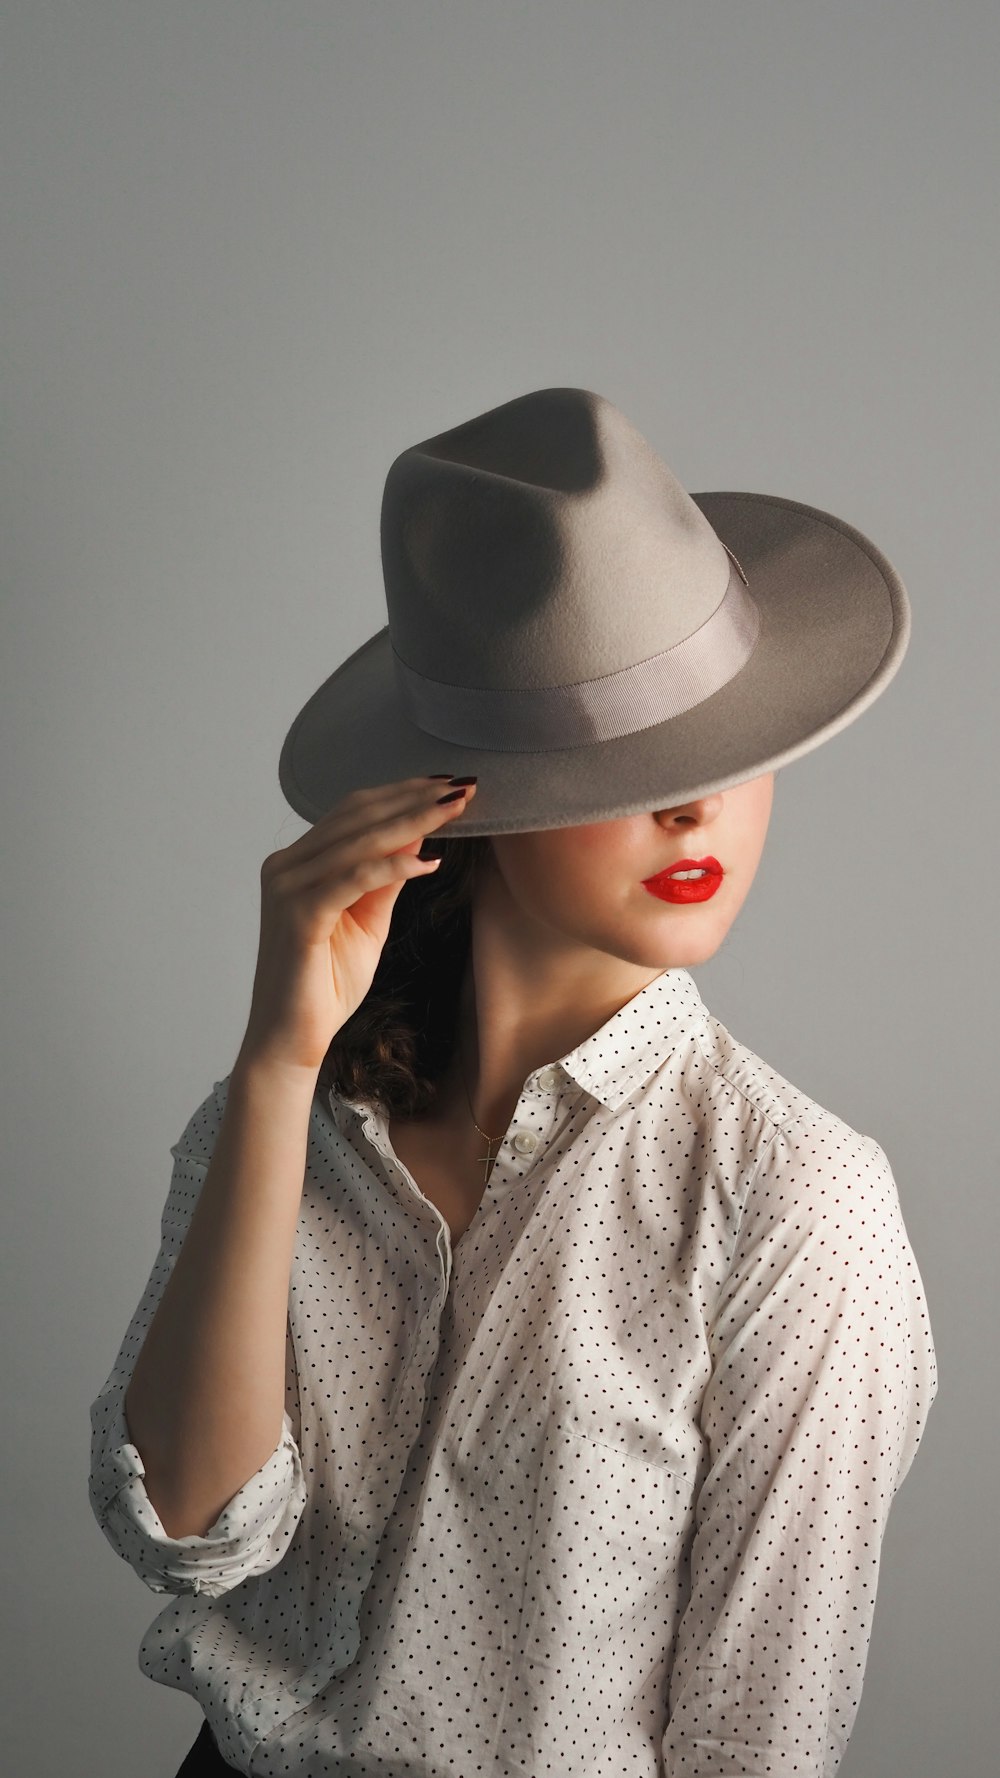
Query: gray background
<point x="250" y="252"/>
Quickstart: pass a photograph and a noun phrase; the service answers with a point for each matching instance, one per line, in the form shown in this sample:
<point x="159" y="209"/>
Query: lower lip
<point x="696" y="889"/>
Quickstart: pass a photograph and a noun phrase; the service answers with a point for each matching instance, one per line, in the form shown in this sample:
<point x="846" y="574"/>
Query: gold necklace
<point x="489" y="1139"/>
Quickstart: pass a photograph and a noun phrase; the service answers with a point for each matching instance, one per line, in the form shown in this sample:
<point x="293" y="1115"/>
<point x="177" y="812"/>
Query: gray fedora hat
<point x="591" y="640"/>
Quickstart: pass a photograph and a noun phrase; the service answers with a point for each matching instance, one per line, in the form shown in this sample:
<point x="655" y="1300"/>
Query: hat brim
<point x="835" y="624"/>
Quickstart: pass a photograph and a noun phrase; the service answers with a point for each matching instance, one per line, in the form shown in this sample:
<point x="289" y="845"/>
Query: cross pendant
<point x="487" y="1158"/>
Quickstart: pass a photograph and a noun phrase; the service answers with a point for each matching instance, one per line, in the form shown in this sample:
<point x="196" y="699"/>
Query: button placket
<point x="523" y="1139"/>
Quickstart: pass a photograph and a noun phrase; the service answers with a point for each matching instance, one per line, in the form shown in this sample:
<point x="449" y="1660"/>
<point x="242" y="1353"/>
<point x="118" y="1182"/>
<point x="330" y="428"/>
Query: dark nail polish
<point x="451" y="796"/>
<point x="473" y="780"/>
<point x="432" y="848"/>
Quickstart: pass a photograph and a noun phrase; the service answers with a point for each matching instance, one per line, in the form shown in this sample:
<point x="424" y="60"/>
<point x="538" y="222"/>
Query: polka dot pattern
<point x="601" y="1488"/>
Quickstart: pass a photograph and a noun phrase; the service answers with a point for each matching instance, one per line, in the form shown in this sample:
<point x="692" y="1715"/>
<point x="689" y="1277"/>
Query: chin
<point x="696" y="947"/>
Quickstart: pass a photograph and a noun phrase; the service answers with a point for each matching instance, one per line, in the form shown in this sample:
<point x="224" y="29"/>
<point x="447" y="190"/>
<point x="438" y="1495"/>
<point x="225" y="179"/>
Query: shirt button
<point x="549" y="1078"/>
<point x="525" y="1141"/>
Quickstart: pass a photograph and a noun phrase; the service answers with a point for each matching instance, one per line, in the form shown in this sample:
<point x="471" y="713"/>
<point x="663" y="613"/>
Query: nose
<point x="697" y="812"/>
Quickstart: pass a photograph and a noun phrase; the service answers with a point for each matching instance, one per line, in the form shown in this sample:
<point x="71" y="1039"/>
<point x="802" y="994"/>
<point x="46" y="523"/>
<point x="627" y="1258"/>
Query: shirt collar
<point x="622" y="1054"/>
<point x="627" y="1049"/>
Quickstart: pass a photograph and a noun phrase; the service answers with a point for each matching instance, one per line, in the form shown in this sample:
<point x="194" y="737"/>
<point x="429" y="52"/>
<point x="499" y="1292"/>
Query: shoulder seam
<point x="811" y="1109"/>
<point x="748" y="1097"/>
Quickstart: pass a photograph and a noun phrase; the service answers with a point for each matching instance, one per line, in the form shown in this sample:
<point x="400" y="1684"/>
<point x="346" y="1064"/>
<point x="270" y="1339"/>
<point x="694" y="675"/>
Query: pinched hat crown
<point x="550" y="583"/>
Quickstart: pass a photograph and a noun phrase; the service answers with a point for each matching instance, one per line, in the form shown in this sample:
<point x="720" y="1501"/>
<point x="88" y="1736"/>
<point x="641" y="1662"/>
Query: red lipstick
<point x="666" y="886"/>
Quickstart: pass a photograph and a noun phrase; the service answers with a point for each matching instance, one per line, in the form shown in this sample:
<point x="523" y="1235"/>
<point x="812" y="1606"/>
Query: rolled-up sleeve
<point x="823" y="1373"/>
<point x="257" y="1525"/>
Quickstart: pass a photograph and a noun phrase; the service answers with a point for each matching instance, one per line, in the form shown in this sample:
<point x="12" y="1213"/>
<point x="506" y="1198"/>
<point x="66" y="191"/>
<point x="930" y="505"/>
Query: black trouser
<point x="203" y="1759"/>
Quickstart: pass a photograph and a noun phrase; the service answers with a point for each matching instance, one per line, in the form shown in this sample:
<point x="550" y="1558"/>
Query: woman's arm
<point x="204" y="1405"/>
<point x="242" y="1526"/>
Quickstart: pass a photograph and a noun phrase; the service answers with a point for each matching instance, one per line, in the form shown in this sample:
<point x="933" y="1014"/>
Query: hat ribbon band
<point x="541" y="718"/>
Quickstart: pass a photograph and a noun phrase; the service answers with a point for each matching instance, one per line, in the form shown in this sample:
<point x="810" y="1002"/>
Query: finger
<point x="368" y="838"/>
<point x="384" y="812"/>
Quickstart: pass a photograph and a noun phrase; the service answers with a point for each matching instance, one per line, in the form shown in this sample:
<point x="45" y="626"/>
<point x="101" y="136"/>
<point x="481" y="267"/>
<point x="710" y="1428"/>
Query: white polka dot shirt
<point x="601" y="1489"/>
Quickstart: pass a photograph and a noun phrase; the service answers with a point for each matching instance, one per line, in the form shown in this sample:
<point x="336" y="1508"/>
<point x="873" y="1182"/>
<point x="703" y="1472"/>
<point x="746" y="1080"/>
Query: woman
<point x="527" y="1369"/>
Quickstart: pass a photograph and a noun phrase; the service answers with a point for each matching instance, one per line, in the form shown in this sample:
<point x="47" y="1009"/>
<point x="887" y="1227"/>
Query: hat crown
<point x="542" y="543"/>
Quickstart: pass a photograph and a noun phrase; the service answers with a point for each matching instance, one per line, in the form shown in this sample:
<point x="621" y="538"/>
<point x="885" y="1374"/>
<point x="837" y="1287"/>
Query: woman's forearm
<point x="205" y="1403"/>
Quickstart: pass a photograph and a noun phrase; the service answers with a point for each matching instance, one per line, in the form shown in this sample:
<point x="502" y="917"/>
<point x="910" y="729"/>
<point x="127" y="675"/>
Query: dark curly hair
<point x="396" y="1046"/>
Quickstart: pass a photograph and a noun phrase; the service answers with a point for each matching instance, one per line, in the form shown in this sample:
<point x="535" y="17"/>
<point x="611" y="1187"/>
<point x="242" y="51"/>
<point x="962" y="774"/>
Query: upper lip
<point x="710" y="864"/>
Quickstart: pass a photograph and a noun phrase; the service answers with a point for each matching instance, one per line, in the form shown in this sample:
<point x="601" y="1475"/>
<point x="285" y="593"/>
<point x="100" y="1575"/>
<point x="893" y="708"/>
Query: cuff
<point x="250" y="1535"/>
